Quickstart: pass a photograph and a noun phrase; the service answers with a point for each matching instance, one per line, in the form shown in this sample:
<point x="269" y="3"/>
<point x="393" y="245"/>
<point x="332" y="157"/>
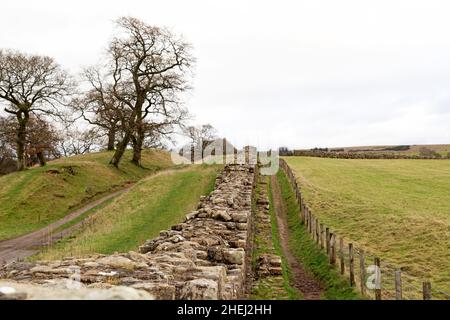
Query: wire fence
<point x="373" y="277"/>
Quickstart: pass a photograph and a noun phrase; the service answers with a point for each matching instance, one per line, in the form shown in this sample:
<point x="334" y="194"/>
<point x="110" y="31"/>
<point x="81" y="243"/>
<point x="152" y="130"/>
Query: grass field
<point x="36" y="197"/>
<point x="397" y="209"/>
<point x="154" y="204"/>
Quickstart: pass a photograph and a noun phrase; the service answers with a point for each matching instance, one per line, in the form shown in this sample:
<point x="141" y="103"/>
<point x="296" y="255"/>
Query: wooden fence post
<point x="314" y="229"/>
<point x="332" y="249"/>
<point x="377" y="279"/>
<point x="398" y="285"/>
<point x="341" y="255"/>
<point x="317" y="232"/>
<point x="306" y="217"/>
<point x="327" y="239"/>
<point x="310" y="221"/>
<point x="350" y="265"/>
<point x="300" y="198"/>
<point x="362" y="270"/>
<point x="302" y="213"/>
<point x="426" y="290"/>
<point x="305" y="213"/>
<point x="321" y="236"/>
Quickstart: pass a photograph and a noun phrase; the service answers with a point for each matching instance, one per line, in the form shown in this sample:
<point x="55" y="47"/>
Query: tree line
<point x="132" y="99"/>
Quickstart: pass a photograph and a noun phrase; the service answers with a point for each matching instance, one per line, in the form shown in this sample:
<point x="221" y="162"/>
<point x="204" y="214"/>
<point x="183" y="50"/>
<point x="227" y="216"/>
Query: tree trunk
<point x="120" y="150"/>
<point x="137" y="152"/>
<point x="111" y="139"/>
<point x="21" y="139"/>
<point x="41" y="158"/>
<point x="137" y="144"/>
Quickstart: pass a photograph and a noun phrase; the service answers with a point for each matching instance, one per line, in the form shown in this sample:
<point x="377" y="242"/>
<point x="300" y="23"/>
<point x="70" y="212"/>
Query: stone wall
<point x="204" y="257"/>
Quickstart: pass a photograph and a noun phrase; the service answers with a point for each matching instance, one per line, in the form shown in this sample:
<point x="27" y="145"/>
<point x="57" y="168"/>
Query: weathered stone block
<point x="200" y="289"/>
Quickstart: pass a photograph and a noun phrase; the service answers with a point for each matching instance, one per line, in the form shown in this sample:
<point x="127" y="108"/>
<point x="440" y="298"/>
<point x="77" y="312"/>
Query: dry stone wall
<point x="204" y="257"/>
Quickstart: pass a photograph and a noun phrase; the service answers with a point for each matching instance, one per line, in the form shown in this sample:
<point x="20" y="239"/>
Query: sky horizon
<point x="300" y="74"/>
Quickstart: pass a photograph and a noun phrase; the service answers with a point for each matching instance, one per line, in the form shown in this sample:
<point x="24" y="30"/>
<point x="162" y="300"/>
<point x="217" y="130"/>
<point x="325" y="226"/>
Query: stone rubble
<point x="269" y="265"/>
<point x="203" y="257"/>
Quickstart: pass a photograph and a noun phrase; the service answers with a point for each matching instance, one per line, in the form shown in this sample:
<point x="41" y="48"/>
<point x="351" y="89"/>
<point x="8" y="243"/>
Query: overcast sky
<point x="270" y="73"/>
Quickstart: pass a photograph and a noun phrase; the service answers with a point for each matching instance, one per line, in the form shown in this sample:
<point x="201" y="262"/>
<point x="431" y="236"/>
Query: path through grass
<point x="154" y="204"/>
<point x="312" y="258"/>
<point x="34" y="198"/>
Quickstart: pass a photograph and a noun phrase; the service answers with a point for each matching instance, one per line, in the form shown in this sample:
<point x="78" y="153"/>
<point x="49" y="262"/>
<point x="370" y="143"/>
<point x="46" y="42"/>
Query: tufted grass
<point x="398" y="210"/>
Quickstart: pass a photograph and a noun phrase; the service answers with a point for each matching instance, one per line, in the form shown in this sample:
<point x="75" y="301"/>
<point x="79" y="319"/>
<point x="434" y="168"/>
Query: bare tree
<point x="75" y="142"/>
<point x="149" y="67"/>
<point x="200" y="136"/>
<point x="99" y="107"/>
<point x="7" y="162"/>
<point x="41" y="139"/>
<point x="155" y="136"/>
<point x="196" y="134"/>
<point x="31" y="84"/>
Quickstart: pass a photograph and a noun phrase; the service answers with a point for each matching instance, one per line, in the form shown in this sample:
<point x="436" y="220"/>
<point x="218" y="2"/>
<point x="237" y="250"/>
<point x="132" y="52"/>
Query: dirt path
<point x="307" y="285"/>
<point x="31" y="243"/>
<point x="27" y="245"/>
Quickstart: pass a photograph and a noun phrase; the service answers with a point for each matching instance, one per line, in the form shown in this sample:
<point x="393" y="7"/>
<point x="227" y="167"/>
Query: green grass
<point x="34" y="198"/>
<point x="154" y="204"/>
<point x="83" y="216"/>
<point x="267" y="241"/>
<point x="396" y="209"/>
<point x="287" y="272"/>
<point x="312" y="258"/>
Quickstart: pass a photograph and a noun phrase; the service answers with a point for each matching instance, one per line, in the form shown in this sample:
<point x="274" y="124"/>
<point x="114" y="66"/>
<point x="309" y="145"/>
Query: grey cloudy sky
<point x="271" y="73"/>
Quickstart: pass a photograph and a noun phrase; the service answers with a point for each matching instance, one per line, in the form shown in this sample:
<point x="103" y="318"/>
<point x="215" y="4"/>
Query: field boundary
<point x="375" y="278"/>
<point x="362" y="155"/>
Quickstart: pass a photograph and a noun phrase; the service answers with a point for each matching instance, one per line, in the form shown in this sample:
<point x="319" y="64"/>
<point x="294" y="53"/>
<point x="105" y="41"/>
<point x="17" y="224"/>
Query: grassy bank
<point x="308" y="253"/>
<point x="154" y="204"/>
<point x="34" y="198"/>
<point x="396" y="209"/>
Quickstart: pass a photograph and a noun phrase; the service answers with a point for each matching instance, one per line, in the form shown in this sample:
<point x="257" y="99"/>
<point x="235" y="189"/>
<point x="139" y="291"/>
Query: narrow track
<point x="302" y="281"/>
<point x="29" y="244"/>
